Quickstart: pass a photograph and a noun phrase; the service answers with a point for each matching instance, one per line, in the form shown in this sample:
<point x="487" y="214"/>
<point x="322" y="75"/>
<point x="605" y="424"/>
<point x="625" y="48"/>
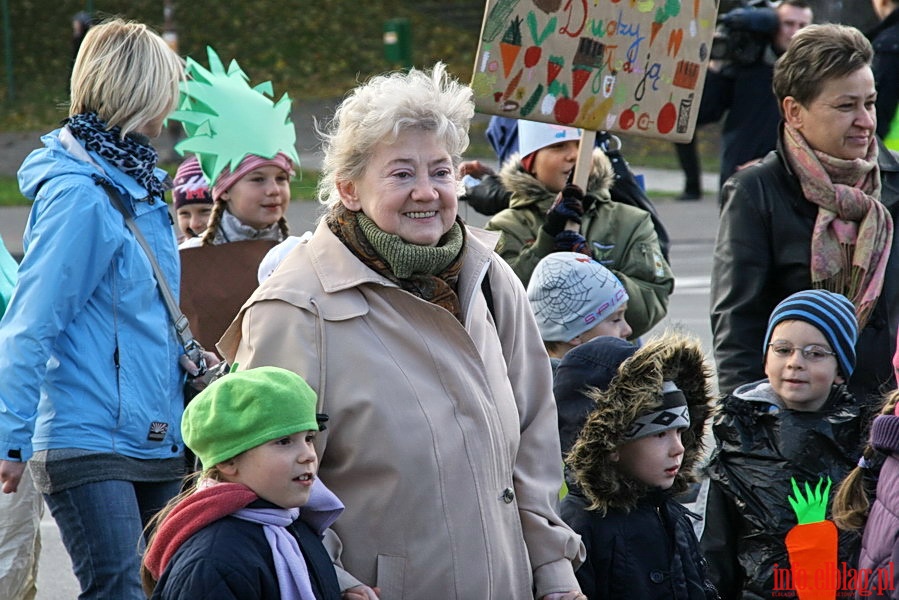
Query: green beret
<point x="245" y="409"/>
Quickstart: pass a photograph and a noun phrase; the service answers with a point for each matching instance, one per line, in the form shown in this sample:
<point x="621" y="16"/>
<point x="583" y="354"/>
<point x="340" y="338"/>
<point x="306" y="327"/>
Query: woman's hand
<point x="361" y="592"/>
<point x="10" y="474"/>
<point x="192" y="368"/>
<point x="572" y="595"/>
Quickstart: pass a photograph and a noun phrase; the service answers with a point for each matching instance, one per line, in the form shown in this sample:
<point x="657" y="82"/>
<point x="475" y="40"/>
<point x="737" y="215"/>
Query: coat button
<point x="508" y="495"/>
<point x="656" y="576"/>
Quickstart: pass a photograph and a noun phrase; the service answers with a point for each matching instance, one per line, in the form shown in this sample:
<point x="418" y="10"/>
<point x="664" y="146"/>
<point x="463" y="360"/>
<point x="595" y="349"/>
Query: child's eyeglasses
<point x="811" y="353"/>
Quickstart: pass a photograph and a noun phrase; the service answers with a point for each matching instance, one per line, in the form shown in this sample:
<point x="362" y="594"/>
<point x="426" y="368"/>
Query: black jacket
<point x="640" y="542"/>
<point x="648" y="553"/>
<point x="231" y="559"/>
<point x="762" y="255"/>
<point x="742" y="93"/>
<point x="885" y="40"/>
<point x="759" y="447"/>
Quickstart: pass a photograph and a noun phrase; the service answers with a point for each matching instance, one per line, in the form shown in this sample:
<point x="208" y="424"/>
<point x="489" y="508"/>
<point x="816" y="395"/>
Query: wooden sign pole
<point x="584" y="158"/>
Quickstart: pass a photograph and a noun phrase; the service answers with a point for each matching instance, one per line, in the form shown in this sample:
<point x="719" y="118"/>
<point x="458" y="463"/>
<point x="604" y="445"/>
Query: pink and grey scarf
<point x="853" y="232"/>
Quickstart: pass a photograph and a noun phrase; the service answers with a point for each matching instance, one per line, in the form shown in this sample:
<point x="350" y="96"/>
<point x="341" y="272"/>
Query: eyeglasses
<point x="811" y="353"/>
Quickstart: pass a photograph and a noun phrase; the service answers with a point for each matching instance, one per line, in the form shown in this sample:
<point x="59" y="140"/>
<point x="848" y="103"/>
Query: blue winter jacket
<point x="88" y="354"/>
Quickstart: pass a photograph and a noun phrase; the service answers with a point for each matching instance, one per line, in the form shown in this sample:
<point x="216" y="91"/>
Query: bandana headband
<point x="673" y="414"/>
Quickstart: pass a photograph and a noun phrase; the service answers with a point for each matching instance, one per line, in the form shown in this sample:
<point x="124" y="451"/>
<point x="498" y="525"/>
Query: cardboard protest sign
<point x="631" y="66"/>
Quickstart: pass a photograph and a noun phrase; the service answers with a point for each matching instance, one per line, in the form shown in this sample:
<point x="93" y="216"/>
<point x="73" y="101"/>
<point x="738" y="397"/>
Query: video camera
<point x="743" y="34"/>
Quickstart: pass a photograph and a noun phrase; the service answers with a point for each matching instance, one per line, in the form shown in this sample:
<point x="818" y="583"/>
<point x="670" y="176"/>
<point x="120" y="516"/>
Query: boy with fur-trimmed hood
<point x="636" y="451"/>
<point x="545" y="215"/>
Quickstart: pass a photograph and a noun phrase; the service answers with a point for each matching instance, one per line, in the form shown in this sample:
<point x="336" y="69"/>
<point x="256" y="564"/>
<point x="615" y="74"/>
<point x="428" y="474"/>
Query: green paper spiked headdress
<point x="226" y="120"/>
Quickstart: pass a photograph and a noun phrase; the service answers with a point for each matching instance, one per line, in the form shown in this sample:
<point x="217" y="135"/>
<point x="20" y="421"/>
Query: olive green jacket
<point x="622" y="238"/>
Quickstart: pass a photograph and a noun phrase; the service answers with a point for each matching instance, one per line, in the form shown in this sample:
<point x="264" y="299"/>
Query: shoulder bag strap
<point x="182" y="327"/>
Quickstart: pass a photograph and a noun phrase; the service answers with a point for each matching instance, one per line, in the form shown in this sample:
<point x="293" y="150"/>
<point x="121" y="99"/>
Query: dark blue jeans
<point x="101" y="525"/>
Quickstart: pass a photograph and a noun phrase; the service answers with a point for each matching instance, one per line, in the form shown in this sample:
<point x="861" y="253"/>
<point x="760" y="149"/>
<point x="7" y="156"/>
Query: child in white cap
<point x="546" y="215"/>
<point x="575" y="299"/>
<point x="251" y="527"/>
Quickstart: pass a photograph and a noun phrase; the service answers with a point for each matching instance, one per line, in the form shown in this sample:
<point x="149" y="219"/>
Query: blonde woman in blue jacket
<point x="91" y="393"/>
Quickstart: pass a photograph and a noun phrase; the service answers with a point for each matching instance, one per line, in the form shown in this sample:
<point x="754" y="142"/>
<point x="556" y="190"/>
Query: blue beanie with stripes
<point x="833" y="314"/>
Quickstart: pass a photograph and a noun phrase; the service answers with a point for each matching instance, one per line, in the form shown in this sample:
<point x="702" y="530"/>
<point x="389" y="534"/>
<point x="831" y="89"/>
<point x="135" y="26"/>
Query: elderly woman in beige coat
<point x="442" y="440"/>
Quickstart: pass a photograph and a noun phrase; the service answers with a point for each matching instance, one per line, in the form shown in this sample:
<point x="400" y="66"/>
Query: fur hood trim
<point x="528" y="190"/>
<point x="635" y="391"/>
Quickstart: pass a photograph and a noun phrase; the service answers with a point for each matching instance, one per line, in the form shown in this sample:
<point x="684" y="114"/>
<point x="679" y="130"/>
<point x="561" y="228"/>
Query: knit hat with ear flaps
<point x="190" y="185"/>
<point x="570" y="293"/>
<point x="832" y="314"/>
<point x="245" y="409"/>
<point x="638" y="390"/>
<point x="533" y="136"/>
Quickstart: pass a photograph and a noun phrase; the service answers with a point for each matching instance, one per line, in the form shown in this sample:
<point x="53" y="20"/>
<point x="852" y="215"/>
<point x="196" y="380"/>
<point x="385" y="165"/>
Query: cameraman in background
<point x="748" y="41"/>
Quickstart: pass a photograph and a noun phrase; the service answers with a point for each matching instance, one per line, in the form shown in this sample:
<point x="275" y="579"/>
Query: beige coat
<point x="442" y="439"/>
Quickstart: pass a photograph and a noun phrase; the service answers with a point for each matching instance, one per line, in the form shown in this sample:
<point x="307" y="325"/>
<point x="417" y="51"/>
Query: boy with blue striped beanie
<point x="798" y="427"/>
<point x="830" y="313"/>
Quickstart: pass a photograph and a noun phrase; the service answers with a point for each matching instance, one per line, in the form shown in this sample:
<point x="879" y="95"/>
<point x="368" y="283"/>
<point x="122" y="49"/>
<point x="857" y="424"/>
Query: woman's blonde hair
<point x="383" y="107"/>
<point x="853" y="498"/>
<point x="125" y="73"/>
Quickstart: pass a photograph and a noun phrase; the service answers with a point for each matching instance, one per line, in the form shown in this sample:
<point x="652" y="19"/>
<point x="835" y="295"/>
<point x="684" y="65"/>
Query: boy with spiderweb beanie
<point x="576" y="299"/>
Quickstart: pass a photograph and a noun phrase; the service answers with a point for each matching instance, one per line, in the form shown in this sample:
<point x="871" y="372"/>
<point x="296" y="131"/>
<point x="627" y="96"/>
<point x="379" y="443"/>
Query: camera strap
<point x="182" y="327"/>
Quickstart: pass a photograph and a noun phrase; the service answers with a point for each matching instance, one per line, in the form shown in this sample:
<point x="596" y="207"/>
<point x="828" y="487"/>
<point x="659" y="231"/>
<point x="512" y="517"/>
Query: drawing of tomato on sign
<point x="667" y="118"/>
<point x="566" y="109"/>
<point x="627" y="118"/>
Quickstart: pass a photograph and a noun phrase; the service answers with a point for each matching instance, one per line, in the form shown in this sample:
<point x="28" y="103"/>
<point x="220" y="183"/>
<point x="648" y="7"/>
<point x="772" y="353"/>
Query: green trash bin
<point x="398" y="42"/>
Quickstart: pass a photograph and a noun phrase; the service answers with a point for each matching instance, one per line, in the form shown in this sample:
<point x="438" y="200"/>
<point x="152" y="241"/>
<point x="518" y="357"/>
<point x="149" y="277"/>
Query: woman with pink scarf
<point x="816" y="213"/>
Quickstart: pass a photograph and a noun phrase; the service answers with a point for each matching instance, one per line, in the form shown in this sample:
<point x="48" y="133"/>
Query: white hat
<point x="571" y="293"/>
<point x="533" y="136"/>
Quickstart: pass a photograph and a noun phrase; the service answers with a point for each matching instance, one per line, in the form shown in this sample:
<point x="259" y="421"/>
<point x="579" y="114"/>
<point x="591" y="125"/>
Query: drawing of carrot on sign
<point x="553" y="68"/>
<point x="589" y="56"/>
<point x="510" y="46"/>
<point x="812" y="542"/>
<point x="671" y="9"/>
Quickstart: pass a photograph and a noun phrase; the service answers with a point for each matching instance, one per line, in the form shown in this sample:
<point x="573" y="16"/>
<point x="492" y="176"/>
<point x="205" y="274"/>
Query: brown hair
<point x="817" y="54"/>
<point x="215" y="219"/>
<point x="853" y="498"/>
<point x="189" y="487"/>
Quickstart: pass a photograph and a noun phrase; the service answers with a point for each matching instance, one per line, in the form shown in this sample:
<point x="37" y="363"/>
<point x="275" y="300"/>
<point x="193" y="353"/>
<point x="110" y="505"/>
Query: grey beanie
<point x="570" y="293"/>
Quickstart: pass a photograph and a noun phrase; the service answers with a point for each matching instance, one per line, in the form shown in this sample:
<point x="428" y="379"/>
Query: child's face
<point x="801" y="383"/>
<point x="260" y="197"/>
<point x="655" y="460"/>
<point x="281" y="470"/>
<point x="192" y="219"/>
<point x="614" y="325"/>
<point x="553" y="164"/>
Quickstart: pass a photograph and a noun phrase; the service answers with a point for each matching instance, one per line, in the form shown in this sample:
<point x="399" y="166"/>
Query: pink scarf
<point x="853" y="232"/>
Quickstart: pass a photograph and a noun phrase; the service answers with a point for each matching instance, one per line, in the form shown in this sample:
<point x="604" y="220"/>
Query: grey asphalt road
<point x="692" y="226"/>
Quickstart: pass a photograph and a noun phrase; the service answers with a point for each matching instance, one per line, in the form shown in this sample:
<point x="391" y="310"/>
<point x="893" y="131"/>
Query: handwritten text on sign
<point x="634" y="66"/>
